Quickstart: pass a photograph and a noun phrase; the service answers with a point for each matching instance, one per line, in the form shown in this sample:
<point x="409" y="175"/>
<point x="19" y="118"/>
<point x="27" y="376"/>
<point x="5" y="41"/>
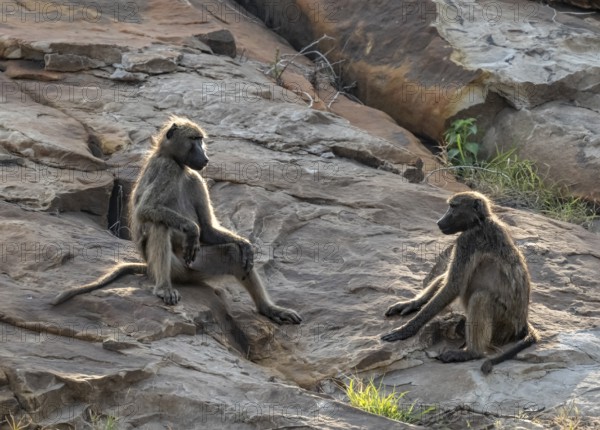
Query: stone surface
<point x="426" y="64"/>
<point x="70" y="62"/>
<point x="565" y="140"/>
<point x="152" y="62"/>
<point x="122" y="75"/>
<point x="340" y="234"/>
<point x="29" y="70"/>
<point x="583" y="4"/>
<point x="221" y="42"/>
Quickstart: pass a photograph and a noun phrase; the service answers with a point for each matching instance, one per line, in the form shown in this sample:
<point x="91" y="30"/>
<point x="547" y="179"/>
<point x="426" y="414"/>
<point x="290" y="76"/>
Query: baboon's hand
<point x="192" y="246"/>
<point x="401" y="333"/>
<point x="246" y="256"/>
<point x="403" y="308"/>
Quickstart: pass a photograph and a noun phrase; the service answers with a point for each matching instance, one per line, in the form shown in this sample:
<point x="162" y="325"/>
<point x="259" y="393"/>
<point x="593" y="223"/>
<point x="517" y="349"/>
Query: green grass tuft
<point x="372" y="399"/>
<point x="512" y="181"/>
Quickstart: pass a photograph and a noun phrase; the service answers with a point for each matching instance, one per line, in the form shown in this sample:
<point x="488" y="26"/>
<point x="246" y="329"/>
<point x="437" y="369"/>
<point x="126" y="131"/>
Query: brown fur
<point x="489" y="274"/>
<point x="175" y="229"/>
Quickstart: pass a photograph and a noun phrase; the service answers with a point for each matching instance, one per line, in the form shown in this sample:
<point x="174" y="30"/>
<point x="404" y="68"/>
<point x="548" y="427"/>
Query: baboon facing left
<point x="175" y="229"/>
<point x="489" y="274"/>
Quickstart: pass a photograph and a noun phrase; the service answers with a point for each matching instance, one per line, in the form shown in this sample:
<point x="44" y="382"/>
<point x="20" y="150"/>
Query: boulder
<point x="562" y="138"/>
<point x="221" y="42"/>
<point x="70" y="62"/>
<point x="153" y="62"/>
<point x="419" y="63"/>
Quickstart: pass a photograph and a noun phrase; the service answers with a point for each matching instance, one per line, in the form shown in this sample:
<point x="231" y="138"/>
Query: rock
<point x="419" y="64"/>
<point x="107" y="53"/>
<point x="34" y="186"/>
<point x="58" y="141"/>
<point x="29" y="70"/>
<point x="221" y="42"/>
<point x="152" y="62"/>
<point x="70" y="62"/>
<point x="8" y="403"/>
<point x="122" y="75"/>
<point x="560" y="136"/>
<point x="583" y="4"/>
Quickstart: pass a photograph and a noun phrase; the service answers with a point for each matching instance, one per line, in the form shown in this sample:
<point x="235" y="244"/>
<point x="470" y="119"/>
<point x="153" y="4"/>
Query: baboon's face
<point x="465" y="212"/>
<point x="189" y="146"/>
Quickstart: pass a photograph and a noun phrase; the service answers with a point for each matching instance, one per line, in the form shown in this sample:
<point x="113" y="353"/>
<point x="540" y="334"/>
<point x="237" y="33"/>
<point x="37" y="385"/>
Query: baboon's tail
<point x="117" y="272"/>
<point x="529" y="339"/>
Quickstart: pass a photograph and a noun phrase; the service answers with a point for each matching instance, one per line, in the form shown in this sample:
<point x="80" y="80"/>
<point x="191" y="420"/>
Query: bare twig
<point x="310" y="98"/>
<point x="333" y="99"/>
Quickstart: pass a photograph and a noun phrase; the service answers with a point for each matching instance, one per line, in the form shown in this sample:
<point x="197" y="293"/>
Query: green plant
<point x="372" y="399"/>
<point x="103" y="422"/>
<point x="508" y="179"/>
<point x="277" y="69"/>
<point x="13" y="424"/>
<point x="459" y="149"/>
<point x="518" y="182"/>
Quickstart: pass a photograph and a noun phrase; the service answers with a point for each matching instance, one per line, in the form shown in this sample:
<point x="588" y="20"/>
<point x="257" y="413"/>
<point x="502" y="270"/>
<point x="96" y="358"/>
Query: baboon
<point x="489" y="274"/>
<point x="175" y="229"/>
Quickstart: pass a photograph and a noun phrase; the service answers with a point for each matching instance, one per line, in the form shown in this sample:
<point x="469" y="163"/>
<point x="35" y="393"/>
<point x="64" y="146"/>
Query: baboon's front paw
<point x="169" y="295"/>
<point x="192" y="246"/>
<point x="402" y="308"/>
<point x="401" y="333"/>
<point x="283" y="315"/>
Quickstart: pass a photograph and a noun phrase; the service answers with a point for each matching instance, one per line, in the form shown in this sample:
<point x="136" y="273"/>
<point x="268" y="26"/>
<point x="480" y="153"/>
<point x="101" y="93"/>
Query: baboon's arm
<point x="212" y="233"/>
<point x="409" y="306"/>
<point x="448" y="291"/>
<point x="168" y="217"/>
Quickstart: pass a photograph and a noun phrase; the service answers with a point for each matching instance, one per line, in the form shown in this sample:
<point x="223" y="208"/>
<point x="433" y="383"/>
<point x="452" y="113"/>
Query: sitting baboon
<point x="489" y="274"/>
<point x="175" y="229"/>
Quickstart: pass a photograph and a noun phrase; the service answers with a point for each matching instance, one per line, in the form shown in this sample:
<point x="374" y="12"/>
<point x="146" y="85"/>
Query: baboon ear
<point x="171" y="131"/>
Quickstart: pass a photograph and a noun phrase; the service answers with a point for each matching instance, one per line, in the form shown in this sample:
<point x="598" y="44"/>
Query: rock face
<point x="551" y="132"/>
<point x="340" y="226"/>
<point x="419" y="63"/>
<point x="221" y="42"/>
<point x="583" y="4"/>
<point x="153" y="62"/>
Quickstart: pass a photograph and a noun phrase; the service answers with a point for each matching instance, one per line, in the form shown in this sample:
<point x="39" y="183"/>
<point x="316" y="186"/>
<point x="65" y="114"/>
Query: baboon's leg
<point x="406" y="307"/>
<point x="265" y="306"/>
<point x="158" y="251"/>
<point x="215" y="260"/>
<point x="480" y="317"/>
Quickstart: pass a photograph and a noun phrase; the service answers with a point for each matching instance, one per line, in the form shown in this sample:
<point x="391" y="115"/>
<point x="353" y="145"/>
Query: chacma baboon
<point x="175" y="229"/>
<point x="489" y="274"/>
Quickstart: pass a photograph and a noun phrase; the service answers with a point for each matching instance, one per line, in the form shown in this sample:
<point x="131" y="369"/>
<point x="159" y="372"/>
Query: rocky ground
<point x="333" y="201"/>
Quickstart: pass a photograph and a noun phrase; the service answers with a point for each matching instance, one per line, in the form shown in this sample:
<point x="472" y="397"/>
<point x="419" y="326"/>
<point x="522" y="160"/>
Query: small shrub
<point x="568" y="417"/>
<point x="372" y="399"/>
<point x="459" y="149"/>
